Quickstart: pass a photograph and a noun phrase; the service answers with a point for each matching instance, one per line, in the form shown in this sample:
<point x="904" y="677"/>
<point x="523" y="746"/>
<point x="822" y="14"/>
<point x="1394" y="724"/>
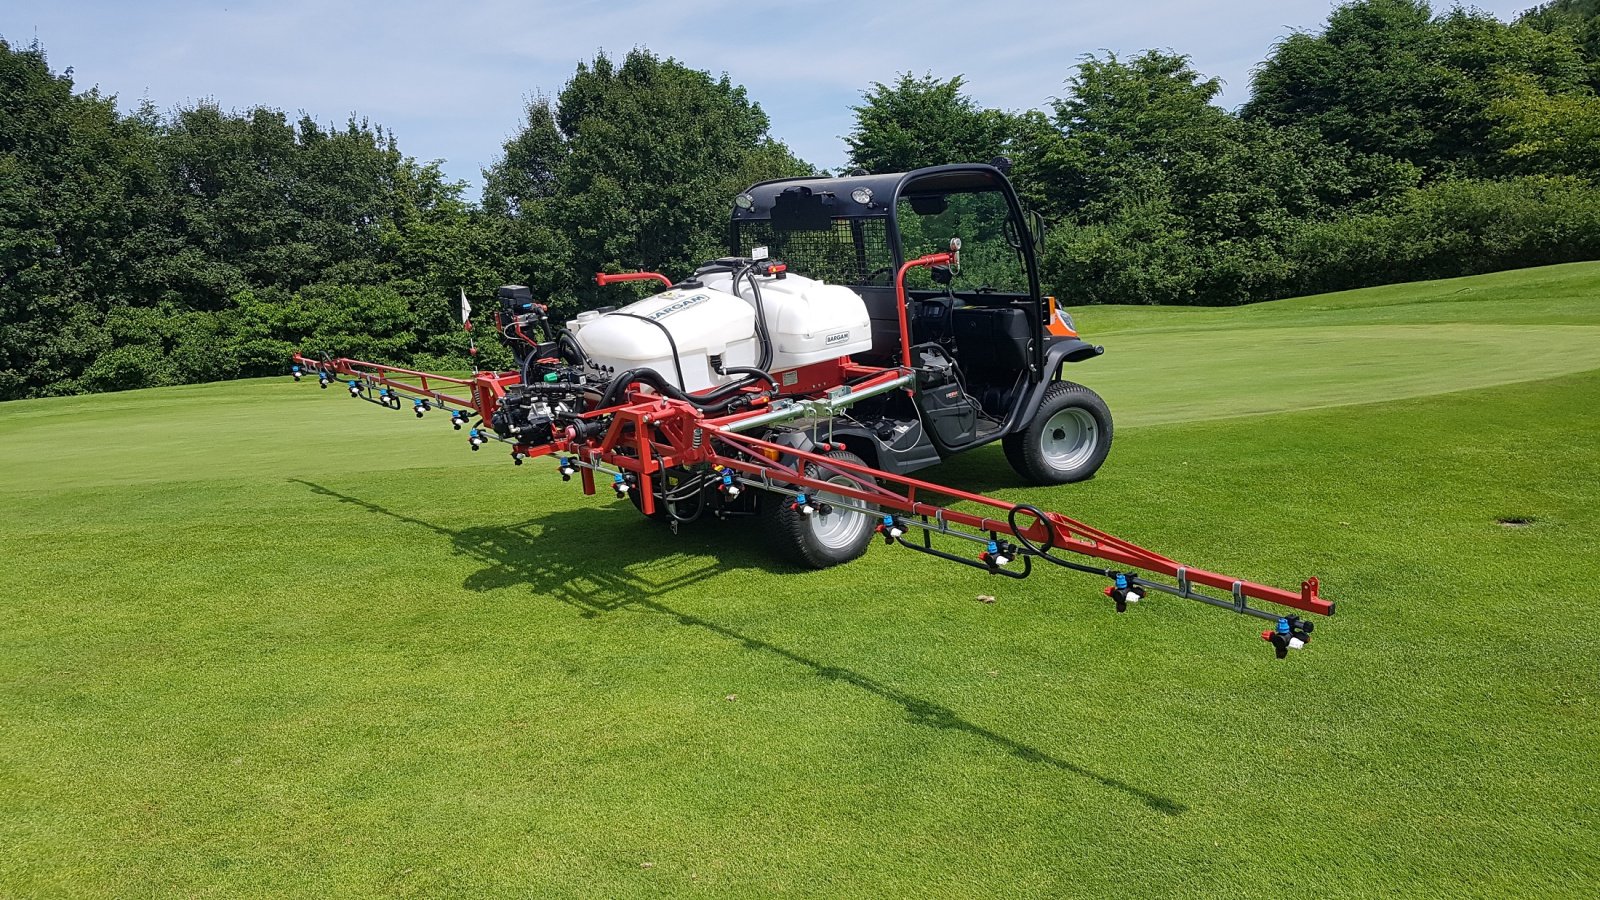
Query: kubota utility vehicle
<point x="987" y="348"/>
<point x="861" y="328"/>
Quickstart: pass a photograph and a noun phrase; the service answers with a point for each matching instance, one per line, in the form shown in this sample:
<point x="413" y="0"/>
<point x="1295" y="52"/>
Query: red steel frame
<point x="649" y="434"/>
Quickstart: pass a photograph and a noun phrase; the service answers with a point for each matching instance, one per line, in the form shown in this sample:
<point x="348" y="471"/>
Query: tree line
<point x="1395" y="143"/>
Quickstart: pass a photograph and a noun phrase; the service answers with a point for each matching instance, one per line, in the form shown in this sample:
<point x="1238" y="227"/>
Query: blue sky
<point x="450" y="78"/>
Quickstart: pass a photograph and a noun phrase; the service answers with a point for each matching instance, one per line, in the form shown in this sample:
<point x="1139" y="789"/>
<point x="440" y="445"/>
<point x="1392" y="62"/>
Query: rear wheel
<point x="1066" y="441"/>
<point x="823" y="538"/>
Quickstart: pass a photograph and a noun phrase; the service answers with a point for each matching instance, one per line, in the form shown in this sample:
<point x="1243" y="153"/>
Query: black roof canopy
<point x="838" y="192"/>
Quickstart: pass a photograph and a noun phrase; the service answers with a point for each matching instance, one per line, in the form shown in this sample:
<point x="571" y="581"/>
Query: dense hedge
<point x="1448" y="229"/>
<point x="1443" y="230"/>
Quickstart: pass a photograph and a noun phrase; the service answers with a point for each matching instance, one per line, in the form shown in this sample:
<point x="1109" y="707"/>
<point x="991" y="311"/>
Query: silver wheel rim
<point x="839" y="528"/>
<point x="1069" y="438"/>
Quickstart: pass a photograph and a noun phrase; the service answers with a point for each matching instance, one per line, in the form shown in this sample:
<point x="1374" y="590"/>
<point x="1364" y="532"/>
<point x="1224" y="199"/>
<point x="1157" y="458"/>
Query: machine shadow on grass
<point x="535" y="553"/>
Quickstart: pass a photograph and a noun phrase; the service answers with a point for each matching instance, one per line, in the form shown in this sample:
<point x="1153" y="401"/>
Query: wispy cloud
<point x="450" y="78"/>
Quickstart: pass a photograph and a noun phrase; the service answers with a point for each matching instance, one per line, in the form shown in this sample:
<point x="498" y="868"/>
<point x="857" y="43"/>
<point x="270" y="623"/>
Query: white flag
<point x="466" y="310"/>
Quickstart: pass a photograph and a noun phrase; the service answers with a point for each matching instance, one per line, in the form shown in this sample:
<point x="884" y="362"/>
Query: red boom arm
<point x="643" y="435"/>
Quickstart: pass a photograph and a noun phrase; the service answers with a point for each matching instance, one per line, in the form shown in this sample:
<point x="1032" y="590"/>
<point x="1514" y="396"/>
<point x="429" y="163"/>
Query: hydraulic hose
<point x="613" y="393"/>
<point x="619" y="385"/>
<point x="733" y="387"/>
<point x="677" y="362"/>
<point x="669" y="503"/>
<point x="750" y="371"/>
<point x="748" y="273"/>
<point x="746" y="269"/>
<point x="571" y="350"/>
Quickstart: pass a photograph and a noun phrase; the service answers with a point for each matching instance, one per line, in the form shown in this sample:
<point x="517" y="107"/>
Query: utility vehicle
<point x="987" y="347"/>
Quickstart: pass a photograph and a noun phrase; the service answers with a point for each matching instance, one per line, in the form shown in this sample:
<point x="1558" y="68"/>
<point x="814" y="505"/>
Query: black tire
<point x="1067" y="440"/>
<point x="819" y="540"/>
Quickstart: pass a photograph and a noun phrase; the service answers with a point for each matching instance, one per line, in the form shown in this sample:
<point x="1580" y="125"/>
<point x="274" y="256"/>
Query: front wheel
<point x="823" y="538"/>
<point x="1067" y="440"/>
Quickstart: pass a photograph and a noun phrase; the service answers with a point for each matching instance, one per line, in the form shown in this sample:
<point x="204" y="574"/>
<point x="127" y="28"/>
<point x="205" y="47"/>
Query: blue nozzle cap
<point x="1122" y="581"/>
<point x="800" y="498"/>
<point x="1283" y="626"/>
<point x="993" y="547"/>
<point x="294" y="368"/>
<point x="472" y="433"/>
<point x="888" y="520"/>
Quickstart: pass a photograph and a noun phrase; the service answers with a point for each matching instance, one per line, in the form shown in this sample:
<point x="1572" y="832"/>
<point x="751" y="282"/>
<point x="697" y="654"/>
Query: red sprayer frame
<point x="645" y="435"/>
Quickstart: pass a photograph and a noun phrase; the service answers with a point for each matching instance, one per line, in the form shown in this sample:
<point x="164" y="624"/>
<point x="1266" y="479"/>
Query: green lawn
<point x="261" y="639"/>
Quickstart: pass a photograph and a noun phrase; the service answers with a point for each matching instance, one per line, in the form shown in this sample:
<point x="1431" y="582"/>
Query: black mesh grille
<point x="853" y="251"/>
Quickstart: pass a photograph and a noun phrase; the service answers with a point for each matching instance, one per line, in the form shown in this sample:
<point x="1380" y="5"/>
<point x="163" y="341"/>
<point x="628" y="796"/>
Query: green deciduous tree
<point x="634" y="166"/>
<point x="1542" y="133"/>
<point x="1387" y="77"/>
<point x="1578" y="20"/>
<point x="1163" y="197"/>
<point x="924" y="121"/>
<point x="76" y="220"/>
<point x="143" y="250"/>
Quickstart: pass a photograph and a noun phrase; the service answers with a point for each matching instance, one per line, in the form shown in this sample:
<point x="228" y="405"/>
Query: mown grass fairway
<point x="261" y="639"/>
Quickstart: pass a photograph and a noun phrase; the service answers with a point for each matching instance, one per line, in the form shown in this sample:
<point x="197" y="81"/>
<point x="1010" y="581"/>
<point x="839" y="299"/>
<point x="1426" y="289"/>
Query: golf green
<point x="260" y="639"/>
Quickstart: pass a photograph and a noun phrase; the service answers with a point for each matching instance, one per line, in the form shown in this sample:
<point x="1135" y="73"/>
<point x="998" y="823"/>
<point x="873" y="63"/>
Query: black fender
<point x="1069" y="349"/>
<point x="1056" y="353"/>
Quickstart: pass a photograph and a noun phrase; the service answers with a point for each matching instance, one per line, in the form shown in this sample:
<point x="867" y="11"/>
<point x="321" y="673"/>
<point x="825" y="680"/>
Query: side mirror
<point x="1012" y="234"/>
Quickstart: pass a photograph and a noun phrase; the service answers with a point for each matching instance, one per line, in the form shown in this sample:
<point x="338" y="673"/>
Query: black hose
<point x="752" y="372"/>
<point x="767" y="350"/>
<point x="747" y="272"/>
<point x="1039" y="516"/>
<point x="576" y="356"/>
<point x="668" y="505"/>
<point x="619" y="385"/>
<point x="677" y="363"/>
<point x="745" y="269"/>
<point x="725" y="391"/>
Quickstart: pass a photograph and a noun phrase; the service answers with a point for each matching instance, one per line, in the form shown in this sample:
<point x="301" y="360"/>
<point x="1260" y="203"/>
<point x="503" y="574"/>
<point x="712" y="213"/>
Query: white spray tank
<point x="706" y="329"/>
<point x="677" y="329"/>
<point x="808" y="321"/>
